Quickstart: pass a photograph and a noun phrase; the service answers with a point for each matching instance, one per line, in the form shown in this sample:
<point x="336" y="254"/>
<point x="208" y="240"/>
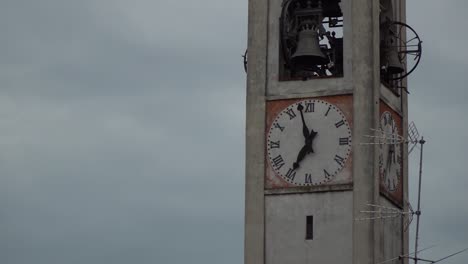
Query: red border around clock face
<point x="274" y="107"/>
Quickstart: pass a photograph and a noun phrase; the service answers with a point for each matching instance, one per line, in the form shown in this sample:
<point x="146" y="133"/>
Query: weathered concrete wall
<point x="286" y="228"/>
<point x="391" y="235"/>
<point x="255" y="127"/>
<point x="366" y="83"/>
<point x="275" y="221"/>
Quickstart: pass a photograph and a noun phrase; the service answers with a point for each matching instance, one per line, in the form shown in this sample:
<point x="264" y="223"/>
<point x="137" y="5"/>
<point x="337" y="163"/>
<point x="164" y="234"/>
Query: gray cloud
<point x="123" y="130"/>
<point x="438" y="106"/>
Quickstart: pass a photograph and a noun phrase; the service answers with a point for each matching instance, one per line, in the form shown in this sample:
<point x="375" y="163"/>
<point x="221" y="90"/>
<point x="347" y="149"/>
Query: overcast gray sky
<point x="122" y="130"/>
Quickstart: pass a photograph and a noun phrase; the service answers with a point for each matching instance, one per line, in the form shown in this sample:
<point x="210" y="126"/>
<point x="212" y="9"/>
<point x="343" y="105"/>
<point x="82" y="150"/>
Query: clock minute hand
<point x="305" y="130"/>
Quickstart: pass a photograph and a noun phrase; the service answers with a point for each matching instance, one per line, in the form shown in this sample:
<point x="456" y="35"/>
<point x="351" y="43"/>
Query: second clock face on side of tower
<point x="390" y="153"/>
<point x="308" y="142"/>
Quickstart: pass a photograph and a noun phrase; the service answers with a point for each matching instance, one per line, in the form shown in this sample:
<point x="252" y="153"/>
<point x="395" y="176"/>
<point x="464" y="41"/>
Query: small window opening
<point x="310" y="227"/>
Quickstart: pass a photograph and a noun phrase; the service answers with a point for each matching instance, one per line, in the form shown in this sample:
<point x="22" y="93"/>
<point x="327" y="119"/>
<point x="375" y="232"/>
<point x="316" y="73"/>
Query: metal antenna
<point x="407" y="221"/>
<point x="381" y="137"/>
<point x="383" y="212"/>
<point x="418" y="210"/>
<point x="413" y="136"/>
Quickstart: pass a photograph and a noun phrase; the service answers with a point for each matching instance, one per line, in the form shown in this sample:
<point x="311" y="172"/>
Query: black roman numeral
<point x="291" y="114"/>
<point x="310" y="107"/>
<point x="279" y="127"/>
<point x="344" y="141"/>
<point x="274" y="144"/>
<point x="339" y="160"/>
<point x="339" y="124"/>
<point x="291" y="174"/>
<point x="278" y="162"/>
<point x="308" y="178"/>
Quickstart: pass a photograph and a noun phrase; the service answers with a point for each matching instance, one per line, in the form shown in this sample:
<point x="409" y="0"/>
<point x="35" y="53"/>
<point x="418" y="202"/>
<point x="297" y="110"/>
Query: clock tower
<point x="325" y="80"/>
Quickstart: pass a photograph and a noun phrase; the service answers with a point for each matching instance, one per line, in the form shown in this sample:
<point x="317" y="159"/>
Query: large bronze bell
<point x="392" y="62"/>
<point x="390" y="59"/>
<point x="308" y="53"/>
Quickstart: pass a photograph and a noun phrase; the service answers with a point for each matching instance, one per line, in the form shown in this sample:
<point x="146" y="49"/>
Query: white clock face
<point x="309" y="142"/>
<point x="389" y="153"/>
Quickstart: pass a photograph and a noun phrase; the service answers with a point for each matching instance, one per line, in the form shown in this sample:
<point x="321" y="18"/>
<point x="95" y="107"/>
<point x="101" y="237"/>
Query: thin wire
<point x="407" y="255"/>
<point x="451" y="255"/>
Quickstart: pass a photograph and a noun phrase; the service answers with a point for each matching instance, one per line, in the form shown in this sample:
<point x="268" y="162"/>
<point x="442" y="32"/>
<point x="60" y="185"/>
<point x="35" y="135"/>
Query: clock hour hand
<point x="389" y="158"/>
<point x="310" y="140"/>
<point x="311" y="136"/>
<point x="305" y="130"/>
<point x="306" y="149"/>
<point x="302" y="153"/>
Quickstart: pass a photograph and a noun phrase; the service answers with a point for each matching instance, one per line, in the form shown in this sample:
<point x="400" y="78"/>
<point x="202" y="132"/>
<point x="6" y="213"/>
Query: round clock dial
<point x="309" y="142"/>
<point x="389" y="153"/>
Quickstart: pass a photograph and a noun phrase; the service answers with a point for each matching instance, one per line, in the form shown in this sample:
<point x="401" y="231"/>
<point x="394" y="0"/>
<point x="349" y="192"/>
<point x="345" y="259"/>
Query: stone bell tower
<point x="324" y="79"/>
